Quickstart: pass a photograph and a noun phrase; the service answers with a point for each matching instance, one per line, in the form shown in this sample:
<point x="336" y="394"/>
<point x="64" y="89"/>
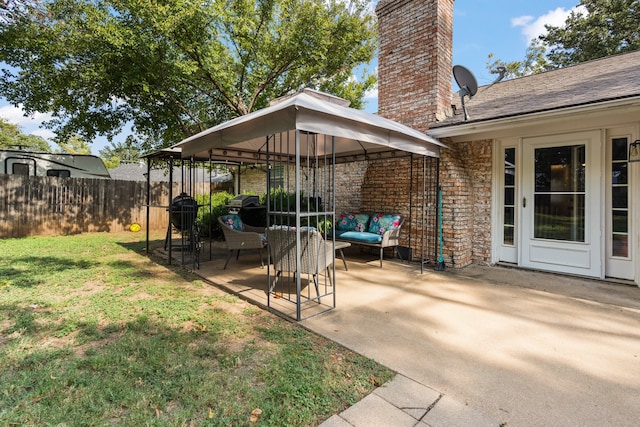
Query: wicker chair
<point x="239" y="235"/>
<point x="316" y="254"/>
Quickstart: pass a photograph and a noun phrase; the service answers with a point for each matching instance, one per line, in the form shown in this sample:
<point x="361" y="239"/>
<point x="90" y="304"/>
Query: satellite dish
<point x="467" y="83"/>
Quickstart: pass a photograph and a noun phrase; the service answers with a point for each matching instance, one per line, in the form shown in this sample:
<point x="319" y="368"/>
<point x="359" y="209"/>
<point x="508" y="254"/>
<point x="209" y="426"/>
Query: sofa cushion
<point x="352" y="221"/>
<point x="339" y="233"/>
<point x="233" y="221"/>
<point x="360" y="236"/>
<point x="380" y="223"/>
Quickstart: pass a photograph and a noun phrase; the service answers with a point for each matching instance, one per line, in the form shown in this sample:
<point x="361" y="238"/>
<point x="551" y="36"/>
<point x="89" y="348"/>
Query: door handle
<point x="524" y="202"/>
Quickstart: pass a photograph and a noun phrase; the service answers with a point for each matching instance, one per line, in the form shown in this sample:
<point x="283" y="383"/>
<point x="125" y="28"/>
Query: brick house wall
<point x="465" y="179"/>
<point x="349" y="181"/>
<point x="350" y="178"/>
<point x="395" y="186"/>
<point x="253" y="181"/>
<point x="386" y="190"/>
<point x="414" y="57"/>
<point x="415" y="89"/>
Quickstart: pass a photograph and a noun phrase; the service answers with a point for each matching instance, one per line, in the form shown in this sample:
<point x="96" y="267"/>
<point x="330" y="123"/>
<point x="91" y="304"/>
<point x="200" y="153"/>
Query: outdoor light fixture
<point x="634" y="151"/>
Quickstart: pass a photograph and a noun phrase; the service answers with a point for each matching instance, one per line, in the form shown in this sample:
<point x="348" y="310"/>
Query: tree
<point x="74" y="145"/>
<point x="595" y="29"/>
<point x="120" y="153"/>
<point x="534" y="62"/>
<point x="11" y="137"/>
<point x="608" y="27"/>
<point x="176" y="68"/>
<point x="10" y="9"/>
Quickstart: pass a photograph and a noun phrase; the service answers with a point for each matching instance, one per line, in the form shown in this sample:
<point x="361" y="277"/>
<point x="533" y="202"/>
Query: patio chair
<point x="316" y="254"/>
<point x="240" y="236"/>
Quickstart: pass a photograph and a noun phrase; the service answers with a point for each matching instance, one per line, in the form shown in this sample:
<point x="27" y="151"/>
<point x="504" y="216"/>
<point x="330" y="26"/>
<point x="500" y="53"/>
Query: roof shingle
<point x="601" y="80"/>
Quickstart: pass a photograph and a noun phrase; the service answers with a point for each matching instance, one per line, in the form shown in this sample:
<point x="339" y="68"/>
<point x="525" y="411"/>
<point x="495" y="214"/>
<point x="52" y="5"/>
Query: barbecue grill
<point x="242" y="201"/>
<point x="184" y="210"/>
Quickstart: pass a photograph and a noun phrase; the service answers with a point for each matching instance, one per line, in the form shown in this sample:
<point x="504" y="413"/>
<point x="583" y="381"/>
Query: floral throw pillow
<point x="352" y="222"/>
<point x="381" y="223"/>
<point x="233" y="222"/>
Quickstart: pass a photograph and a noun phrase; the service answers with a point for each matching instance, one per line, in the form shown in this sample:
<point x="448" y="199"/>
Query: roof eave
<point x="500" y="123"/>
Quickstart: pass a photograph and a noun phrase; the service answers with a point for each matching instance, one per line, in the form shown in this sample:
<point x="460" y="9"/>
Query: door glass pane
<point x="559" y="198"/>
<point x="619" y="149"/>
<point x="509" y="215"/>
<point x="619" y="197"/>
<point x="619" y="173"/>
<point x="508" y="235"/>
<point x="619" y="212"/>
<point x="560" y="168"/>
<point x="509" y="196"/>
<point x="559" y="217"/>
<point x="620" y="245"/>
<point x="620" y="221"/>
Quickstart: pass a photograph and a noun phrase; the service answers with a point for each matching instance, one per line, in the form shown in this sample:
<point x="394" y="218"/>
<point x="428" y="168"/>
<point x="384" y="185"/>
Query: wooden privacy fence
<point x="34" y="205"/>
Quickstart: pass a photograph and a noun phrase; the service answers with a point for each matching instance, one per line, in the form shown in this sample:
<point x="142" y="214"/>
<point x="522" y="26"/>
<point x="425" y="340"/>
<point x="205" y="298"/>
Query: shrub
<point x="209" y="219"/>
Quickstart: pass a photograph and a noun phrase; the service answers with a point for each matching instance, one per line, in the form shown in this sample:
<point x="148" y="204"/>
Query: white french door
<point x="507" y="195"/>
<point x="561" y="204"/>
<point x="619" y="224"/>
<point x="564" y="203"/>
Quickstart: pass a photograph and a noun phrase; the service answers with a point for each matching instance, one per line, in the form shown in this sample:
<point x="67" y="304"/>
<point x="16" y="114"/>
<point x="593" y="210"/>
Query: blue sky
<point x="501" y="27"/>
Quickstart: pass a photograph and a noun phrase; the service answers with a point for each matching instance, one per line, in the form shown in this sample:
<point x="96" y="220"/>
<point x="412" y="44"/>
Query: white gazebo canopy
<point x="357" y="135"/>
<point x="300" y="138"/>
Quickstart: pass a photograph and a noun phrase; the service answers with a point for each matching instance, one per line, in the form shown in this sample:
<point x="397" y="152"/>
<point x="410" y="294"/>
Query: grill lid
<point x="243" y="201"/>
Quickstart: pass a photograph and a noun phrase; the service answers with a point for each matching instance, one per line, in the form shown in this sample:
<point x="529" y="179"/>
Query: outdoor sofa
<point x="377" y="230"/>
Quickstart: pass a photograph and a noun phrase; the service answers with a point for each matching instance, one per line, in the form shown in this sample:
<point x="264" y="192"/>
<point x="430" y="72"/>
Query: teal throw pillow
<point x="381" y="223"/>
<point x="233" y="221"/>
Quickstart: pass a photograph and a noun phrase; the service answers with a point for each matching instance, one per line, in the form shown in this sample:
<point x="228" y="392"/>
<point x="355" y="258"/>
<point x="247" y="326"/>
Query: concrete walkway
<point x="492" y="347"/>
<point x="480" y="346"/>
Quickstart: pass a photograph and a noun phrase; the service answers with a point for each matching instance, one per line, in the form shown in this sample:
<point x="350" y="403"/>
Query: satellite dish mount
<point x="467" y="83"/>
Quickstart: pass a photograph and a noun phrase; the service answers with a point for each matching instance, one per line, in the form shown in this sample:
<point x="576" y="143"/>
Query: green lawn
<point x="93" y="332"/>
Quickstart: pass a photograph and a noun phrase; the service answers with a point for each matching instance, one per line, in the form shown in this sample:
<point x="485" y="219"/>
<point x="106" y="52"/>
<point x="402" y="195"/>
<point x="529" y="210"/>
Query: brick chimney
<point x="414" y="60"/>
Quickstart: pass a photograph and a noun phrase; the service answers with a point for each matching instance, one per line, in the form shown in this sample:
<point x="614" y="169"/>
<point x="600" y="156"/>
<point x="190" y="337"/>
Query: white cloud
<point x="534" y="27"/>
<point x="30" y="125"/>
<point x="521" y="21"/>
<point x="372" y="93"/>
<point x="15" y="115"/>
<point x="45" y="133"/>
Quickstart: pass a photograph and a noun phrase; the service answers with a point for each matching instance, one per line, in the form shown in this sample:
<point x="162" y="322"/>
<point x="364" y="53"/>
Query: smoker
<point x="183" y="212"/>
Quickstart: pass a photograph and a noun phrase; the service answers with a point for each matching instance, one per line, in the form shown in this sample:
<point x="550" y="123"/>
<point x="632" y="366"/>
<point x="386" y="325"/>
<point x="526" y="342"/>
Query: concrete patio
<point x="485" y="345"/>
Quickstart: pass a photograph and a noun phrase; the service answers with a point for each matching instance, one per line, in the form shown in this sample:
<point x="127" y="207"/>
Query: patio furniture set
<point x="377" y="231"/>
